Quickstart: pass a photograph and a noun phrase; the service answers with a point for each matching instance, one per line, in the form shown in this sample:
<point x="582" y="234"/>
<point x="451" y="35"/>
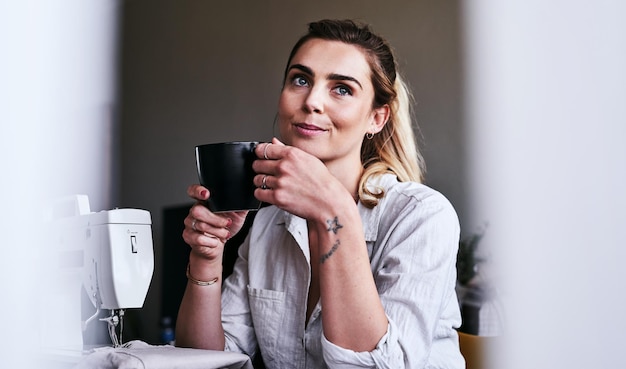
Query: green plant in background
<point x="467" y="260"/>
<point x="481" y="309"/>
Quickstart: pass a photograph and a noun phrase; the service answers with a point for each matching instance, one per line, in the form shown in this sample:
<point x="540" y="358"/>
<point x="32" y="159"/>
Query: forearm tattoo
<point x="324" y="257"/>
<point x="333" y="226"/>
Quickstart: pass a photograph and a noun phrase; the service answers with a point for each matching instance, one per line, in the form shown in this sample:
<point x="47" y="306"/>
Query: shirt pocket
<point x="267" y="312"/>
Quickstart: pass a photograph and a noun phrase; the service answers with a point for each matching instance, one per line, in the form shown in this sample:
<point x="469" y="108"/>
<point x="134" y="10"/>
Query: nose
<point x="314" y="101"/>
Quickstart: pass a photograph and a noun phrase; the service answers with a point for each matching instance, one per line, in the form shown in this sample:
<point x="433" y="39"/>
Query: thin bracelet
<point x="200" y="283"/>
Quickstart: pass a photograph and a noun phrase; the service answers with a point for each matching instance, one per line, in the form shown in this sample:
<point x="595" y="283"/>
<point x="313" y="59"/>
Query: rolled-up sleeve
<point x="340" y="358"/>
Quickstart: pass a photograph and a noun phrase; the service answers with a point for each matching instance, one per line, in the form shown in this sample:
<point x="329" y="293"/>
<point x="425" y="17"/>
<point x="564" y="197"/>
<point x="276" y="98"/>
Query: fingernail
<point x="203" y="193"/>
<point x="228" y="236"/>
<point x="229" y="222"/>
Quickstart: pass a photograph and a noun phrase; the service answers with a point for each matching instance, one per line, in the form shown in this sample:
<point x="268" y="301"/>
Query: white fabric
<point x="412" y="239"/>
<point x="140" y="355"/>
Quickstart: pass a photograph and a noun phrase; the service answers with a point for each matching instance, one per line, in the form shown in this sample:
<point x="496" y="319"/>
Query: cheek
<point x="352" y="118"/>
<point x="286" y="104"/>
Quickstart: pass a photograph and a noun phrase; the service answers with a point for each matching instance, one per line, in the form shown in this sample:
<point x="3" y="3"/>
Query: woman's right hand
<point x="207" y="232"/>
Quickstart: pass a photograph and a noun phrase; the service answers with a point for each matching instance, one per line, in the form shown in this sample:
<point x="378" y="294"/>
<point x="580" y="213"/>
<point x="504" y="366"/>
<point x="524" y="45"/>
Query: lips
<point x="309" y="127"/>
<point x="308" y="130"/>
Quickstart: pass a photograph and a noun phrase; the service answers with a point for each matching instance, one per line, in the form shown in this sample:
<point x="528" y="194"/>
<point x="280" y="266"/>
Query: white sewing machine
<point x="110" y="254"/>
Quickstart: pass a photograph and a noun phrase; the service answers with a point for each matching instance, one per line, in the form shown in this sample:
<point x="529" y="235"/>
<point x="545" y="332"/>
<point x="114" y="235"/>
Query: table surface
<point x="137" y="354"/>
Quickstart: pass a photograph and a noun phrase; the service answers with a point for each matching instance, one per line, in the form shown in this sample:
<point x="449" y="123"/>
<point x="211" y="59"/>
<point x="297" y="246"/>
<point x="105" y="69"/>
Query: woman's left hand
<point x="294" y="180"/>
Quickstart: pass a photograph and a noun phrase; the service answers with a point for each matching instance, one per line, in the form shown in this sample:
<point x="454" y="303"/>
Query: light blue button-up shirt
<point x="412" y="237"/>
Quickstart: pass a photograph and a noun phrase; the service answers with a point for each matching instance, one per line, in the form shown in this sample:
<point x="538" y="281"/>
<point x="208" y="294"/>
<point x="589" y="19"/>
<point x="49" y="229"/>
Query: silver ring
<point x="264" y="184"/>
<point x="265" y="151"/>
<point x="193" y="225"/>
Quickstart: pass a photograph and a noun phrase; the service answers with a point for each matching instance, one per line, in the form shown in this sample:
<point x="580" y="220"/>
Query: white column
<point x="57" y="97"/>
<point x="546" y="105"/>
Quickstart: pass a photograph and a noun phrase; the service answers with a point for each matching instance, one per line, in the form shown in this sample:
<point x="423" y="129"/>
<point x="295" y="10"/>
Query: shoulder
<point x="413" y="216"/>
<point x="410" y="193"/>
<point x="412" y="205"/>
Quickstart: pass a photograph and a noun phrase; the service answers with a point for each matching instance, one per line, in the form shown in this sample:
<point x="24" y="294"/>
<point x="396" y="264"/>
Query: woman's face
<point x="325" y="107"/>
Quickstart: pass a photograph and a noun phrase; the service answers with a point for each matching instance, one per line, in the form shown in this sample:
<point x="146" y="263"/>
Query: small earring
<point x="369" y="135"/>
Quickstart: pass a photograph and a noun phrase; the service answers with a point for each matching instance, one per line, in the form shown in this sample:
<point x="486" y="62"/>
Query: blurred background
<point x="194" y="72"/>
<point x="520" y="106"/>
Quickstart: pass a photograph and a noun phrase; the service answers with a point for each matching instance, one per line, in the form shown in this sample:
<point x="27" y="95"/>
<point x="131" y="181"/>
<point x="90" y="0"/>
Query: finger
<point x="262" y="181"/>
<point x="211" y="241"/>
<point x="200" y="239"/>
<point x="204" y="215"/>
<point x="207" y="230"/>
<point x="267" y="146"/>
<point x="265" y="195"/>
<point x="239" y="214"/>
<point x="199" y="213"/>
<point x="262" y="150"/>
<point x="276" y="141"/>
<point x="258" y="150"/>
<point x="198" y="192"/>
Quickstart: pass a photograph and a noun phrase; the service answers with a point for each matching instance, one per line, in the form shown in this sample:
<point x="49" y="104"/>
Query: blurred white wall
<point x="546" y="93"/>
<point x="57" y="114"/>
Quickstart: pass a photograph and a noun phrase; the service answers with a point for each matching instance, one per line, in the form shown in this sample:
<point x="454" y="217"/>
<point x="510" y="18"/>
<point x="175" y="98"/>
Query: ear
<point x="380" y="116"/>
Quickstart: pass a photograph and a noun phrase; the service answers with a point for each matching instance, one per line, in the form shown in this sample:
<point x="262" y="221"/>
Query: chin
<point x="308" y="146"/>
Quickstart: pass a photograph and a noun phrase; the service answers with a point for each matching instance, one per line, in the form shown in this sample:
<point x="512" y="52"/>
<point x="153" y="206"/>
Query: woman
<point x="353" y="265"/>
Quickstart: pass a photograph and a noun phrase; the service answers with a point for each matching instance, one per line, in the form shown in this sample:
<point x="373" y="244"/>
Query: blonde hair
<point x="394" y="149"/>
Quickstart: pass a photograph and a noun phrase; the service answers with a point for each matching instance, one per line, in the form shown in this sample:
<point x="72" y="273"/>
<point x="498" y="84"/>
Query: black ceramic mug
<point x="225" y="168"/>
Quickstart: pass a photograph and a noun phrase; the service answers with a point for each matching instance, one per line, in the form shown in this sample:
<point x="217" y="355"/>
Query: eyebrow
<point x="332" y="76"/>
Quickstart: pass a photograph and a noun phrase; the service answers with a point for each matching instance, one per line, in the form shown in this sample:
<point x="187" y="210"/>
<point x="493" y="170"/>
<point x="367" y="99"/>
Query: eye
<point x="299" y="81"/>
<point x="343" y="90"/>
